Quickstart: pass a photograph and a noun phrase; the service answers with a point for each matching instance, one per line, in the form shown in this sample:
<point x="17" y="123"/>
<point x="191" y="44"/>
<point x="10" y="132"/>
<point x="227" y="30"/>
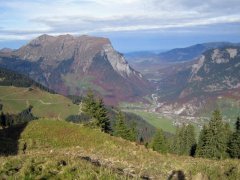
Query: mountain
<point x="6" y="50"/>
<point x="191" y="52"/>
<point x="153" y="58"/>
<point x="212" y="77"/>
<point x="71" y="65"/>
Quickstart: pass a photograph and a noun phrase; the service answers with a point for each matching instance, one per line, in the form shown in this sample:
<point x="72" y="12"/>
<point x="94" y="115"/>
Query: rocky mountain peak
<point x="118" y="62"/>
<point x="54" y="49"/>
<point x="72" y="64"/>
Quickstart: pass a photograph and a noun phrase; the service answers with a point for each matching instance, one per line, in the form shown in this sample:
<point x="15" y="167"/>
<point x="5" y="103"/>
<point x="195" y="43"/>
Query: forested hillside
<point x="11" y="78"/>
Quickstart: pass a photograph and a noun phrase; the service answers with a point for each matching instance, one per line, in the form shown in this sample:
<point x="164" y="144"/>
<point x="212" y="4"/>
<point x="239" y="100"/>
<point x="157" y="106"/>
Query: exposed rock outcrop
<point x="72" y="64"/>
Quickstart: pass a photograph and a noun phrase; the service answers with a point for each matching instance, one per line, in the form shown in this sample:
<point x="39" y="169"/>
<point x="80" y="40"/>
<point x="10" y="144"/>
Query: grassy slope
<point x="15" y="99"/>
<point x="40" y="165"/>
<point x="55" y="139"/>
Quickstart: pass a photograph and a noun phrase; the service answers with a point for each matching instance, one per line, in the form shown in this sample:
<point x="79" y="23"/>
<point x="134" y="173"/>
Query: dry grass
<point x="71" y="140"/>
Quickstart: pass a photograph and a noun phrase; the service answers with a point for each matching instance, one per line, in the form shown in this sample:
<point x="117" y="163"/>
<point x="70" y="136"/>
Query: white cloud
<point x="27" y="18"/>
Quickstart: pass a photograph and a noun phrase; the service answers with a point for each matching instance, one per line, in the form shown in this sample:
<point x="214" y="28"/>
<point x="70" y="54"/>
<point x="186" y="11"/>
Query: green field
<point x="16" y="99"/>
<point x="56" y="148"/>
<point x="152" y="118"/>
<point x="155" y="120"/>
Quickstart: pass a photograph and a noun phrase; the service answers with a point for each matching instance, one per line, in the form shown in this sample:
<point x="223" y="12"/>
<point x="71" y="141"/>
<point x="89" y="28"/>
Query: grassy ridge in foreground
<point x="66" y="138"/>
<point x="39" y="165"/>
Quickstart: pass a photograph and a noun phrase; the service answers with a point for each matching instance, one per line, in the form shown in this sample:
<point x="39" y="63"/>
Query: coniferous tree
<point x="120" y="129"/>
<point x="97" y="111"/>
<point x="189" y="140"/>
<point x="89" y="104"/>
<point x="234" y="142"/>
<point x="184" y="141"/>
<point x="174" y="142"/>
<point x="101" y="117"/>
<point x="132" y="132"/>
<point x="202" y="147"/>
<point x="213" y="139"/>
<point x="159" y="142"/>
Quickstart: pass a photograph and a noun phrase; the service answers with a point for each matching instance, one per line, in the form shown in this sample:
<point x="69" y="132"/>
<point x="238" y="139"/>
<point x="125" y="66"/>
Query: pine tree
<point x="132" y="131"/>
<point x="159" y="142"/>
<point x="89" y="104"/>
<point x="97" y="111"/>
<point x="213" y="139"/>
<point x="189" y="140"/>
<point x="234" y="142"/>
<point x="184" y="141"/>
<point x="120" y="128"/>
<point x="101" y="117"/>
<point x="201" y="150"/>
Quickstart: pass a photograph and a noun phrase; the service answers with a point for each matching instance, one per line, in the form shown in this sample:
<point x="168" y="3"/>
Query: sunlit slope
<point x="119" y="156"/>
<point x="45" y="104"/>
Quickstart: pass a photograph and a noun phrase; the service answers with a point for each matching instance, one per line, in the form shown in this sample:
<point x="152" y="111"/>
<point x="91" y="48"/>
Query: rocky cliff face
<point x="71" y="65"/>
<point x="217" y="70"/>
<point x="214" y="75"/>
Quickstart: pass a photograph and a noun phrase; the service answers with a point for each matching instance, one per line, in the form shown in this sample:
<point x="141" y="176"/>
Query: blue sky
<point x="131" y="25"/>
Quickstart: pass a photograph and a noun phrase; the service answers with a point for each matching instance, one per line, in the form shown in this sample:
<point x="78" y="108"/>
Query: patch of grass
<point x="52" y="166"/>
<point x="44" y="136"/>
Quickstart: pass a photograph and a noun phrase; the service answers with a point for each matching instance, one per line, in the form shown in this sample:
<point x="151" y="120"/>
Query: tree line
<point x="216" y="140"/>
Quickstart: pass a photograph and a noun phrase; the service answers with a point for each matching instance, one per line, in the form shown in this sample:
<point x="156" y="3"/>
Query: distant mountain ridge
<point x="191" y="52"/>
<point x="71" y="65"/>
<point x="215" y="74"/>
<point x="174" y="55"/>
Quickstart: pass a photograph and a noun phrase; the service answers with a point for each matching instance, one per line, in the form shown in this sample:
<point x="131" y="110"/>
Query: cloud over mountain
<point x="27" y="19"/>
